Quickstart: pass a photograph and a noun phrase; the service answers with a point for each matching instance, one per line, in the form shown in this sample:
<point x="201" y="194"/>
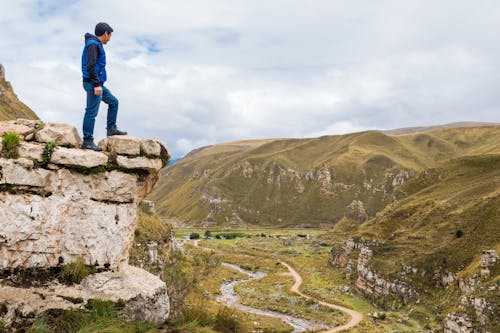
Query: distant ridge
<point x="409" y="130"/>
<point x="10" y="106"/>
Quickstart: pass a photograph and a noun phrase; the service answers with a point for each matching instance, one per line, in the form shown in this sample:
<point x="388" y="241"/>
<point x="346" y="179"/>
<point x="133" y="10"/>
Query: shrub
<point x="47" y="152"/>
<point x="10" y="144"/>
<point x="194" y="235"/>
<point x="74" y="272"/>
<point x="459" y="233"/>
<point x="227" y="321"/>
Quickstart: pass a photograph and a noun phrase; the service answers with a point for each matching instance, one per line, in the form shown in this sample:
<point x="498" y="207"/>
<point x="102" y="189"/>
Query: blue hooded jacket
<point x="93" y="61"/>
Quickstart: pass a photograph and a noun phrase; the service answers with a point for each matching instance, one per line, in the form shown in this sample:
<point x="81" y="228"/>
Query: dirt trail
<point x="356" y="317"/>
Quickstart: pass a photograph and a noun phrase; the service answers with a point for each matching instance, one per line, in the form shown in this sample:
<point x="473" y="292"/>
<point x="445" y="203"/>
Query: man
<point x="94" y="76"/>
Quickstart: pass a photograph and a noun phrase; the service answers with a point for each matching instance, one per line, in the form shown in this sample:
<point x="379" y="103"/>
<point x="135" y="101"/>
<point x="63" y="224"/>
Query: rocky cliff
<point x="10" y="106"/>
<point x="60" y="205"/>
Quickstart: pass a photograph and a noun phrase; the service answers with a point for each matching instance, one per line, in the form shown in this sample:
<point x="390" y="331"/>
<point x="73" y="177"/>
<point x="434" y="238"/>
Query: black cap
<point x="101" y="28"/>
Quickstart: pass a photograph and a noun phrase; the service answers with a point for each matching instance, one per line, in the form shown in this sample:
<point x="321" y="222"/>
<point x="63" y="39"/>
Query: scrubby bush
<point x="194" y="235"/>
<point x="10" y="145"/>
<point x="47" y="152"/>
<point x="74" y="272"/>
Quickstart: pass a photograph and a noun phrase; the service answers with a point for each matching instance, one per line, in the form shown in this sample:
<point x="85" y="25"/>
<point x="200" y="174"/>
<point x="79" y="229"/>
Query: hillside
<point x="436" y="242"/>
<point x="306" y="182"/>
<point x="10" y="106"/>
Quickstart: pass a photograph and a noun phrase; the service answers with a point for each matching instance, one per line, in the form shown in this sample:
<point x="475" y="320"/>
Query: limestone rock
<point x="356" y="211"/>
<point x="31" y="150"/>
<point x="79" y="158"/>
<point x="21" y="172"/>
<point x="114" y="186"/>
<point x="141" y="163"/>
<point x="144" y="294"/>
<point x="148" y="207"/>
<point x="121" y="144"/>
<point x="62" y="134"/>
<point x="151" y="147"/>
<point x="11" y="126"/>
<point x="458" y="323"/>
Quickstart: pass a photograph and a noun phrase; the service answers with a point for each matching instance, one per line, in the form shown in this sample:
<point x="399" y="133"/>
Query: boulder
<point x="121" y="144"/>
<point x="78" y="158"/>
<point x="31" y="150"/>
<point x="139" y="163"/>
<point x="151" y="147"/>
<point x="12" y="126"/>
<point x="145" y="296"/>
<point x="62" y="134"/>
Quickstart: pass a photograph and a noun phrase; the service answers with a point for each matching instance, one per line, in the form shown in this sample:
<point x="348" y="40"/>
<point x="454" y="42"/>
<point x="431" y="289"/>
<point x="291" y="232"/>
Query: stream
<point x="230" y="298"/>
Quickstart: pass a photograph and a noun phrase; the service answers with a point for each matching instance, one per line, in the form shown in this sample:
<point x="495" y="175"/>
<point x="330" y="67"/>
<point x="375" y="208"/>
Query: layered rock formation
<point x="60" y="204"/>
<point x="368" y="281"/>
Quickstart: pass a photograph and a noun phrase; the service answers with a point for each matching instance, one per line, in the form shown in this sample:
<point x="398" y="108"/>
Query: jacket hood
<point x="90" y="36"/>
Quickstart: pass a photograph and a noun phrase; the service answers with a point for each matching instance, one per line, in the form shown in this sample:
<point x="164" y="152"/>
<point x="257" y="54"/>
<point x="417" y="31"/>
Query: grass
<point x="10" y="144"/>
<point x="74" y="272"/>
<point x="320" y="280"/>
<point x="361" y="165"/>
<point x="99" y="316"/>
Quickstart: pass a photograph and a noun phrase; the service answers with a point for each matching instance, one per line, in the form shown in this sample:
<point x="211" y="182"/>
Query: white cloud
<point x="199" y="72"/>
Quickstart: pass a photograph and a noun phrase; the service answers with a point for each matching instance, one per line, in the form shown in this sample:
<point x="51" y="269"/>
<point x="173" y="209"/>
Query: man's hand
<point x="97" y="90"/>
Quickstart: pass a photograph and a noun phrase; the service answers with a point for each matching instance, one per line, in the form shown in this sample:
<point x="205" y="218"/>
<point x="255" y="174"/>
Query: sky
<point x="196" y="72"/>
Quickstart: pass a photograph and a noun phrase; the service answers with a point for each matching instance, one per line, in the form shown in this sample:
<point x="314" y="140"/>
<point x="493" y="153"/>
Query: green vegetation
<point x="47" y="152"/>
<point x="99" y="316"/>
<point x="307" y="182"/>
<point x="75" y="272"/>
<point x="320" y="280"/>
<point x="447" y="217"/>
<point x="10" y="144"/>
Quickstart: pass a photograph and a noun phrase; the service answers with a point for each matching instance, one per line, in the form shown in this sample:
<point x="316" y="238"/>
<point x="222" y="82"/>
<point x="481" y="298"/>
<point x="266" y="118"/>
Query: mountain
<point x="307" y="182"/>
<point x="10" y="106"/>
<point x="438" y="245"/>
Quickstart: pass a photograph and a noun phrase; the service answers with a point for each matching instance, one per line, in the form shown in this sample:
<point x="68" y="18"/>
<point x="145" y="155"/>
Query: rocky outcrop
<point x="488" y="260"/>
<point x="458" y="323"/>
<point x="368" y="281"/>
<point x="356" y="211"/>
<point x="58" y="206"/>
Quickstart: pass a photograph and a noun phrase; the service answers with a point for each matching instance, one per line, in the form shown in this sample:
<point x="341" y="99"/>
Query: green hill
<point x="10" y="106"/>
<point x="434" y="239"/>
<point x="306" y="182"/>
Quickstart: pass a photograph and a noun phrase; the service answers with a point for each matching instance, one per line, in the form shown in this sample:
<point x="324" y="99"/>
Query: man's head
<point x="103" y="32"/>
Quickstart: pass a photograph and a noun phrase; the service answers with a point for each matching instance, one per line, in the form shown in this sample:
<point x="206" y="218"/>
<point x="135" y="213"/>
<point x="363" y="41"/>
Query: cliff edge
<point x="59" y="206"/>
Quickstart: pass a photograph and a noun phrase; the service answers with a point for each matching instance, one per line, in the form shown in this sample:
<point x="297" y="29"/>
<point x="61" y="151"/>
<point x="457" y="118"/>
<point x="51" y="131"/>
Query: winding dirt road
<point x="356" y="317"/>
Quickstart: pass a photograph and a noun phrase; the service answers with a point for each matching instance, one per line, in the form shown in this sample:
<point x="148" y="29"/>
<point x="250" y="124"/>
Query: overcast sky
<point x="193" y="73"/>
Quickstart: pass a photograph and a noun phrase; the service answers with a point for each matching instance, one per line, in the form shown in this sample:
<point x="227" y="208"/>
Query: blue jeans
<point x="92" y="108"/>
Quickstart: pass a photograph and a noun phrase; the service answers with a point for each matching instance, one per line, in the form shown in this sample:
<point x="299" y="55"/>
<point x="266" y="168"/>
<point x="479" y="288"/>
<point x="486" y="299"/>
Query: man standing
<point x="94" y="76"/>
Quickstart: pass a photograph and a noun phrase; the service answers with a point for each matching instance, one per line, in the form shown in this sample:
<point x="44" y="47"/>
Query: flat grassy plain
<point x="307" y="250"/>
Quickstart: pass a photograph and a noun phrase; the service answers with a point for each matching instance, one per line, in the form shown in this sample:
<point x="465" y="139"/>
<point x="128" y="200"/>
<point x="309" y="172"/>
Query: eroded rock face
<point x="80" y="205"/>
<point x="48" y="216"/>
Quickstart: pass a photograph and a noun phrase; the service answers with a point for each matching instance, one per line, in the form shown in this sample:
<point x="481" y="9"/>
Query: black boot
<point x="89" y="144"/>
<point x="113" y="130"/>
